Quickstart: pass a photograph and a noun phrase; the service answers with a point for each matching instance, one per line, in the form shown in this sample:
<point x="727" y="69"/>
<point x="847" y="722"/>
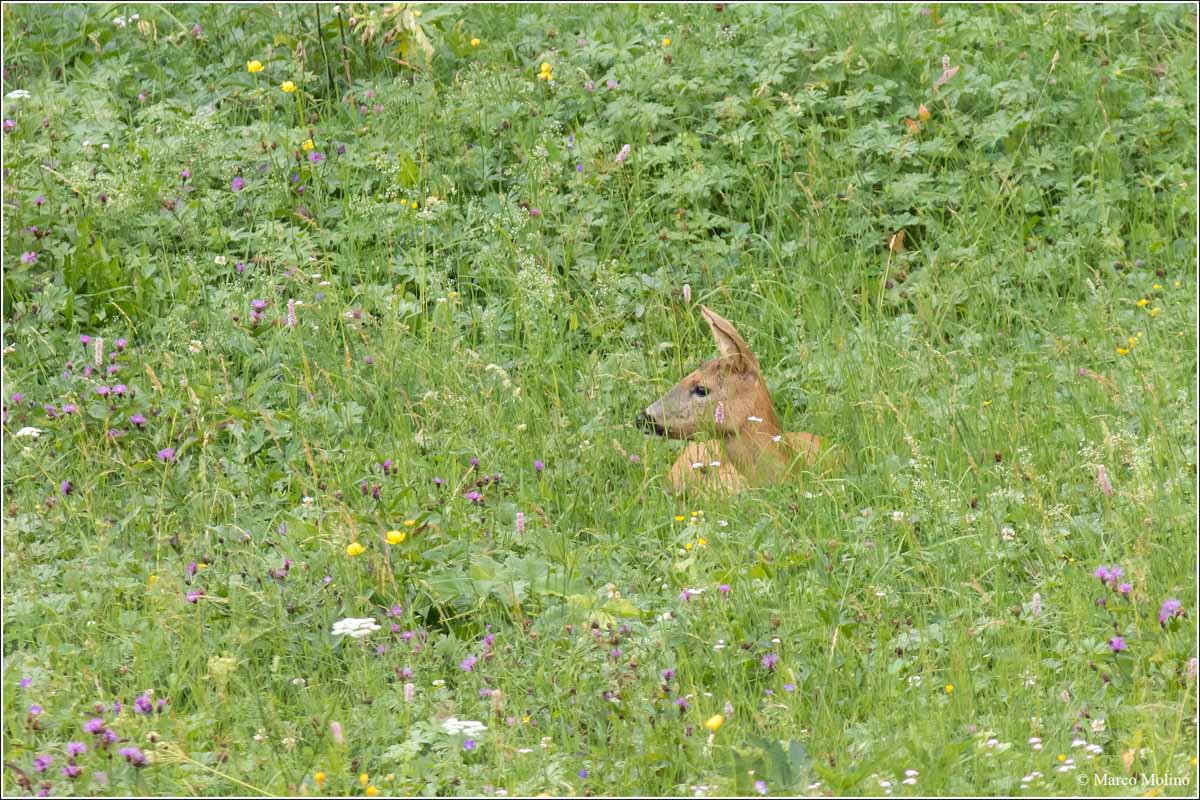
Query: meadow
<point x="325" y="331"/>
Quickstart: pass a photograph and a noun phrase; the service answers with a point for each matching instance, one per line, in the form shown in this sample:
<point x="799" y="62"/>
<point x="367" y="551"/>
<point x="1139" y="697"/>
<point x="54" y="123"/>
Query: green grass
<point x="977" y="379"/>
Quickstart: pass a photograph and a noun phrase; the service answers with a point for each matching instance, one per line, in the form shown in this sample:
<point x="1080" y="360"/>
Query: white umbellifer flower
<point x="19" y="94"/>
<point x="355" y="628"/>
<point x="470" y="727"/>
<point x="897" y="516"/>
<point x="1098" y="725"/>
<point x="195" y="345"/>
<point x="27" y="431"/>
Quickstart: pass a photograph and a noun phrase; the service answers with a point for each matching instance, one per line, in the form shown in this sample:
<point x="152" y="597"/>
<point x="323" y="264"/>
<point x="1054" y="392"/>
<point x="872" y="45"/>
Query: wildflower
<point x="624" y="154"/>
<point x="288" y="87"/>
<point x="949" y="688"/>
<point x="923" y="113"/>
<point x="468" y="664"/>
<point x="355" y="628"/>
<point x="470" y="727"/>
<point x="65" y="487"/>
<point x="42" y="763"/>
<point x="719" y="414"/>
<point x="724" y="589"/>
<point x="535" y="212"/>
<point x="396" y="537"/>
<point x="193" y="596"/>
<point x="137" y="419"/>
<point x="469" y="744"/>
<point x="770" y="660"/>
<point x="9" y="126"/>
<point x="134" y="756"/>
<point x="143" y="704"/>
<point x="611" y="84"/>
<point x="714" y="722"/>
<point x="1102" y="479"/>
<point x="1125" y="589"/>
<point x="760" y="786"/>
<point x="474" y="497"/>
<point x="93" y="725"/>
<point x="1117" y="643"/>
<point x="316" y="157"/>
<point x="167" y="454"/>
<point x="546" y="72"/>
<point x="238" y="183"/>
<point x="520" y="522"/>
<point x="354" y="549"/>
<point x="1170" y="608"/>
<point x="372" y="791"/>
<point x="29" y="257"/>
<point x="666" y="41"/>
<point x="319" y="778"/>
<point x="35" y="710"/>
<point x="254" y="67"/>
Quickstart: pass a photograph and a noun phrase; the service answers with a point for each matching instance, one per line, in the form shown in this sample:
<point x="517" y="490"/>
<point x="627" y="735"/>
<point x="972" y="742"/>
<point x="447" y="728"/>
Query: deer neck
<point x="758" y="448"/>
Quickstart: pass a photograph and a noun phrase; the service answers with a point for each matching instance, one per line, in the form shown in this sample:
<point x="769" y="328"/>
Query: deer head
<point x="725" y="396"/>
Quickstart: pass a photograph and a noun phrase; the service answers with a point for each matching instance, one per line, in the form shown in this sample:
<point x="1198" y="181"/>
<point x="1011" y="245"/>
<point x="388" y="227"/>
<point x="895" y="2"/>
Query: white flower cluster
<point x="470" y="727"/>
<point x="355" y="628"/>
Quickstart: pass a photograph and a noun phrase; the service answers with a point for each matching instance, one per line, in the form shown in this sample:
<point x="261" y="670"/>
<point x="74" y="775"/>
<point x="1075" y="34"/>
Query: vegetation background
<point x="315" y="313"/>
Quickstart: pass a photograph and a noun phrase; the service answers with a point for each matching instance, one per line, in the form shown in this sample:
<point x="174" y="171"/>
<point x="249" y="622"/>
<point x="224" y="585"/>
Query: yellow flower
<point x="949" y="688"/>
<point x="1132" y="341"/>
<point x="714" y="722"/>
<point x="702" y="542"/>
<point x="679" y="518"/>
<point x="1157" y="287"/>
<point x="1143" y="303"/>
<point x="153" y="580"/>
<point x="288" y="86"/>
<point x="307" y="144"/>
<point x="687" y="546"/>
<point x="319" y="778"/>
<point x="666" y="41"/>
<point x="396" y="537"/>
<point x="364" y="779"/>
<point x="1122" y="351"/>
<point x="354" y="549"/>
<point x="1062" y="757"/>
<point x="413" y="204"/>
<point x="546" y="72"/>
<point x="694" y="513"/>
<point x="372" y="791"/>
<point x="475" y="43"/>
<point x="254" y="67"/>
<point x="408" y="523"/>
<point x="1154" y="312"/>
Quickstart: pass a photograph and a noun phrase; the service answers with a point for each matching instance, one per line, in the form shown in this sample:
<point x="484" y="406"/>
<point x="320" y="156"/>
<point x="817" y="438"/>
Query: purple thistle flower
<point x="475" y="462"/>
<point x="103" y="391"/>
<point x="116" y="707"/>
<point x="29" y="257"/>
<point x="376" y="491"/>
<point x="468" y="664"/>
<point x="9" y="126"/>
<point x="65" y="487"/>
<point x="1102" y="573"/>
<point x="137" y="419"/>
<point x="474" y="497"/>
<point x="76" y="749"/>
<point x="238" y="183"/>
<point x="120" y="389"/>
<point x="1117" y="643"/>
<point x="682" y="704"/>
<point x="724" y="589"/>
<point x="240" y="267"/>
<point x="84" y="339"/>
<point x="133" y="755"/>
<point x="185" y="174"/>
<point x="166" y="454"/>
<point x="258" y="305"/>
<point x="121" y="343"/>
<point x="1125" y="589"/>
<point x="770" y="660"/>
<point x="70" y="408"/>
<point x="143" y="704"/>
<point x="160" y="705"/>
<point x="17" y="398"/>
<point x="35" y="710"/>
<point x="668" y="674"/>
<point x="93" y="725"/>
<point x="39" y="201"/>
<point x="42" y="762"/>
<point x="438" y="481"/>
<point x="26" y="683"/>
<point x="316" y="157"/>
<point x="71" y="771"/>
<point x="397" y="610"/>
<point x="193" y="596"/>
<point x="109" y="735"/>
<point x="615" y="653"/>
<point x="1170" y="608"/>
<point x="538" y="466"/>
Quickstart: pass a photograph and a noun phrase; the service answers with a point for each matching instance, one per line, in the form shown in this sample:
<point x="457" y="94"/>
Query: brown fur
<point x="727" y="399"/>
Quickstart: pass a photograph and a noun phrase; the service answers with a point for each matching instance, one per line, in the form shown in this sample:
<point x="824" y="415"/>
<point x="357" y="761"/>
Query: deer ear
<point x="730" y="343"/>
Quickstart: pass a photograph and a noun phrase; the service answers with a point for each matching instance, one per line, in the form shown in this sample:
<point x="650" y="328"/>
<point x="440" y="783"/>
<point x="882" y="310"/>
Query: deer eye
<point x="700" y="391"/>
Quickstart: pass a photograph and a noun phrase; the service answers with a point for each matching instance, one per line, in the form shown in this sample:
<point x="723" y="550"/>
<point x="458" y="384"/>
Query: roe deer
<point x="727" y="397"/>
